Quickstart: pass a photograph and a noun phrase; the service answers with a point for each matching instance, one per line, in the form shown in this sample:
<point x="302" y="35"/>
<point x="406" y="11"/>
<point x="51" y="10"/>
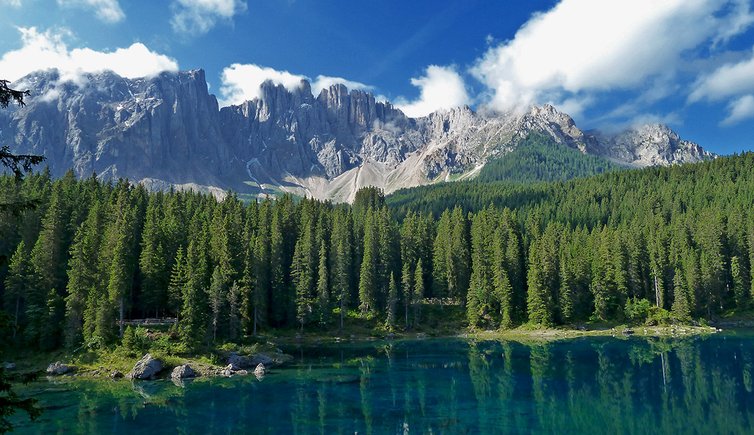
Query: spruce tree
<point x="194" y="313"/>
<point x="738" y="278"/>
<point x="392" y="303"/>
<point x="407" y="284"/>
<point x="217" y="299"/>
<point x="16" y="284"/>
<point x="681" y="309"/>
<point x="178" y="279"/>
<point x="83" y="275"/>
<point x="153" y="264"/>
<point x="323" y="286"/>
<point x="368" y="276"/>
<point x="234" y="310"/>
<point x="418" y="294"/>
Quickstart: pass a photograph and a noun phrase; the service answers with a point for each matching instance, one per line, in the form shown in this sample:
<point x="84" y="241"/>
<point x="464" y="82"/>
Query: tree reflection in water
<point x="594" y="385"/>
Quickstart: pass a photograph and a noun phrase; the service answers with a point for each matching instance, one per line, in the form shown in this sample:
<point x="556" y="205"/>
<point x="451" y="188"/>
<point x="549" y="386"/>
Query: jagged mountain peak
<point x="169" y="130"/>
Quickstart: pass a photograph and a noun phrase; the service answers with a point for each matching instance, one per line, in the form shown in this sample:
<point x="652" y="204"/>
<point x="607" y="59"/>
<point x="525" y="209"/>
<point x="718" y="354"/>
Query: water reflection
<point x="701" y="385"/>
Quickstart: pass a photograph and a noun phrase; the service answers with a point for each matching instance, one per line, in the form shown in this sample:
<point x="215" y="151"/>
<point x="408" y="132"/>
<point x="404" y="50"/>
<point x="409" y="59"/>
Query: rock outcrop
<point x="168" y="130"/>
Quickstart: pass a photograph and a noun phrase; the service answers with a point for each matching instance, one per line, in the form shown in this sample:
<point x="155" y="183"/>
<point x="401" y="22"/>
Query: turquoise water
<point x="590" y="386"/>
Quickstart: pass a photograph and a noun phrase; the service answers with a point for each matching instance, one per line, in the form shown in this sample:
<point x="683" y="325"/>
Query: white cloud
<point x="585" y="47"/>
<point x="440" y="88"/>
<point x="242" y="82"/>
<point x="199" y="16"/>
<point x="740" y="109"/>
<point x="12" y="3"/>
<point x="324" y="82"/>
<point x="46" y="50"/>
<point x="108" y="11"/>
<point x="728" y="80"/>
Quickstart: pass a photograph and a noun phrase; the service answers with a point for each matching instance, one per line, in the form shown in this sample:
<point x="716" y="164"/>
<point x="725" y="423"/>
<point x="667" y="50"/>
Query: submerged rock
<point x="183" y="371"/>
<point x="57" y="368"/>
<point x="146" y="368"/>
<point x="9" y="366"/>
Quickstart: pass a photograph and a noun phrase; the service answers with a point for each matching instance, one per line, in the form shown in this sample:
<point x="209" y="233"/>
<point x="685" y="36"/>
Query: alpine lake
<point x="595" y="385"/>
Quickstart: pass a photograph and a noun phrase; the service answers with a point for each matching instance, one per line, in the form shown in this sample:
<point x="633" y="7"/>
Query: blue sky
<point x="608" y="63"/>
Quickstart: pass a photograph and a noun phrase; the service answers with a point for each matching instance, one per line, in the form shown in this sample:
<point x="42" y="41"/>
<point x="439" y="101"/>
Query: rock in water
<point x="260" y="371"/>
<point x="116" y="375"/>
<point x="58" y="368"/>
<point x="146" y="368"/>
<point x="229" y="370"/>
<point x="183" y="371"/>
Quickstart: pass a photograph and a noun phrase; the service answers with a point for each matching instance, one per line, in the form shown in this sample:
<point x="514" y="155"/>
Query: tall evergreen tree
<point x="368" y="276"/>
<point x="392" y="303"/>
<point x="323" y="286"/>
<point x="16" y="284"/>
<point x="83" y="276"/>
<point x="418" y="291"/>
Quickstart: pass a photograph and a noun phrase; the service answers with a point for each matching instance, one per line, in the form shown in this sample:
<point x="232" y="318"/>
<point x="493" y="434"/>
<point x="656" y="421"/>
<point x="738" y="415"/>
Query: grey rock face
<point x="648" y="145"/>
<point x="57" y="368"/>
<point x="146" y="368"/>
<point x="168" y="130"/>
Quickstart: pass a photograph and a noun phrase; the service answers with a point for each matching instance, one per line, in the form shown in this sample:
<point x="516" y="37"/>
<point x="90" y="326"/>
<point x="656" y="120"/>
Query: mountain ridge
<point x="168" y="130"/>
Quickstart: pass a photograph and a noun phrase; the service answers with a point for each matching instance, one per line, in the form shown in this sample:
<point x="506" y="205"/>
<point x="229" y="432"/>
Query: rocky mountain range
<point x="168" y="130"/>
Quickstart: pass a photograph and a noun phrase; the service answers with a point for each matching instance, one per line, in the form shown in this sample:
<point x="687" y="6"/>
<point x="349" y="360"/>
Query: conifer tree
<point x="342" y="242"/>
<point x="280" y="299"/>
<point x="392" y="303"/>
<point x="440" y="256"/>
<point x="323" y="286"/>
<point x="368" y="276"/>
<point x="48" y="261"/>
<point x="16" y="284"/>
<point x="407" y="284"/>
<point x="740" y="292"/>
<point x="217" y="299"/>
<point x="194" y="313"/>
<point x="178" y="280"/>
<point x="153" y="264"/>
<point x="418" y="291"/>
<point x="234" y="310"/>
<point x="681" y="309"/>
<point x="83" y="274"/>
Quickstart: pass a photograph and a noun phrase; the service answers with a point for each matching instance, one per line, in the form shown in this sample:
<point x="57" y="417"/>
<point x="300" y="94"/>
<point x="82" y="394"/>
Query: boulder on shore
<point x="263" y="359"/>
<point x="146" y="368"/>
<point x="58" y="368"/>
<point x="183" y="371"/>
<point x="239" y="361"/>
<point x="116" y="375"/>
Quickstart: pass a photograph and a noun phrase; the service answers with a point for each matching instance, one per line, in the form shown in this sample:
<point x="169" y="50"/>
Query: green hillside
<point x="539" y="158"/>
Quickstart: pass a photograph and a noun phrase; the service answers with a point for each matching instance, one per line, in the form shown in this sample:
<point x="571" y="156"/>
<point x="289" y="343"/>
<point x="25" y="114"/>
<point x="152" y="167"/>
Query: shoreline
<point x="108" y="362"/>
